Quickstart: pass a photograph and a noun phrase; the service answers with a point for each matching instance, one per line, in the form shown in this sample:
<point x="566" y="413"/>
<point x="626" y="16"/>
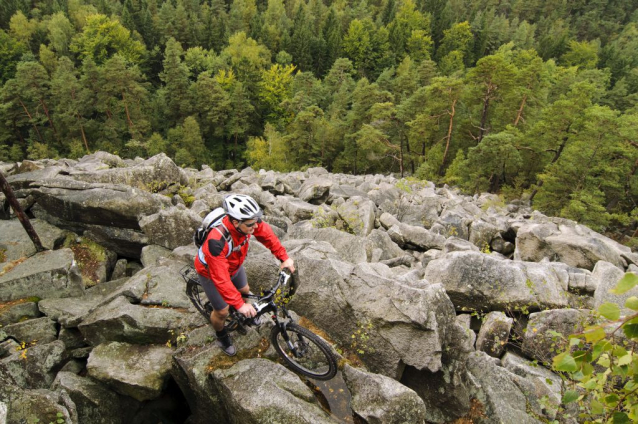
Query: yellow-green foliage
<point x="601" y="367"/>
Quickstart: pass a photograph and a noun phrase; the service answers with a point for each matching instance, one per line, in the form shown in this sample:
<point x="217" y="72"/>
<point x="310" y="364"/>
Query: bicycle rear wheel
<point x="304" y="352"/>
<point x="198" y="298"/>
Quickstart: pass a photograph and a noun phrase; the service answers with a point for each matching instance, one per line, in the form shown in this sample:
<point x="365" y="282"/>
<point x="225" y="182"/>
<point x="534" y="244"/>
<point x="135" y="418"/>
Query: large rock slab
<point x="413" y="237"/>
<point x="315" y="190"/>
<point x="122" y="321"/>
<point x="604" y="277"/>
<point x="34" y="406"/>
<point x="359" y="214"/>
<point x="476" y="281"/>
<point x="13" y="313"/>
<point x="40" y="330"/>
<point x="494" y="334"/>
<point x="172" y="227"/>
<point x="15" y="242"/>
<point x="153" y="174"/>
<point x="574" y="245"/>
<point x="546" y="384"/>
<point x="36" y="366"/>
<point x="131" y="370"/>
<point x="540" y="343"/>
<point x="52" y="273"/>
<point x="94" y="402"/>
<point x="277" y="395"/>
<point x="112" y="205"/>
<point x="498" y="391"/>
<point x="350" y="247"/>
<point x="380" y="399"/>
<point x="401" y="325"/>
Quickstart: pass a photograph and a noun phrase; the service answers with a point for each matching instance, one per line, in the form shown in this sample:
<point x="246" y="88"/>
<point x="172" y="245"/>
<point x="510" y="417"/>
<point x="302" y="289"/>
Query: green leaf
<point x="625" y="360"/>
<point x="632" y="303"/>
<point x="625" y="284"/>
<point x="570" y="396"/>
<point x="596" y="407"/>
<point x="590" y="385"/>
<point x="609" y="310"/>
<point x="574" y="341"/>
<point x="620" y="418"/>
<point x="588" y="369"/>
<point x="600" y="347"/>
<point x="630" y="330"/>
<point x="594" y="334"/>
<point x="611" y="400"/>
<point x="565" y="362"/>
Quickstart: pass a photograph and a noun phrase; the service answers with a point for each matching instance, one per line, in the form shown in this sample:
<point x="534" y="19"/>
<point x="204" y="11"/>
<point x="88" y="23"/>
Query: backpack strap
<point x="225" y="233"/>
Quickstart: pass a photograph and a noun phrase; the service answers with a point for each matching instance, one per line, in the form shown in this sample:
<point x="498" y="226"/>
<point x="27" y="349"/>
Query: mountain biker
<point x="224" y="278"/>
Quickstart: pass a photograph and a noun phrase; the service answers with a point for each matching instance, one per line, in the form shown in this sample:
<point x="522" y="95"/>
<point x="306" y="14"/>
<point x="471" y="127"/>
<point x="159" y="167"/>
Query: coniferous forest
<point x="517" y="97"/>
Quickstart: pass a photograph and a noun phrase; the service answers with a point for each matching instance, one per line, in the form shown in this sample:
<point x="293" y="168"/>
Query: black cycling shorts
<point x="216" y="300"/>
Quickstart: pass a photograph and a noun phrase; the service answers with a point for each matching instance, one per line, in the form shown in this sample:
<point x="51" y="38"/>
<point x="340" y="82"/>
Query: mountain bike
<point x="301" y="349"/>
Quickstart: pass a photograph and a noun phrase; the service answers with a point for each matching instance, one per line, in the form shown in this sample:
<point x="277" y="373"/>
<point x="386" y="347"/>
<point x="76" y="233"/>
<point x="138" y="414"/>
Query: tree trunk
<point x="32" y="123"/>
<point x="486" y="106"/>
<point x="128" y="115"/>
<point x="519" y="115"/>
<point x="448" y="138"/>
<point x="24" y="220"/>
<point x="46" y="112"/>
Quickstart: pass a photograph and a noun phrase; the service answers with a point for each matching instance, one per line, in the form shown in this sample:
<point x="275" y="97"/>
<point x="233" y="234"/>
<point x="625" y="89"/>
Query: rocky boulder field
<point x="439" y="305"/>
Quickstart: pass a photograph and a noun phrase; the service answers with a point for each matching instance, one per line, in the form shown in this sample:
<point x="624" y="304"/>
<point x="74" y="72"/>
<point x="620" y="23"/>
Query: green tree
<point x="175" y="77"/>
<point x="269" y="152"/>
<point x="61" y="33"/>
<point x="458" y="38"/>
<point x="10" y="53"/>
<point x="102" y="38"/>
<point x="582" y="54"/>
<point x="274" y="89"/>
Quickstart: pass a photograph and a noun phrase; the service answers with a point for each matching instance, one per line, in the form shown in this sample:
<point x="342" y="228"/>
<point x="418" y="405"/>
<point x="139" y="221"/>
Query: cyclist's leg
<point x="220" y="307"/>
<point x="240" y="280"/>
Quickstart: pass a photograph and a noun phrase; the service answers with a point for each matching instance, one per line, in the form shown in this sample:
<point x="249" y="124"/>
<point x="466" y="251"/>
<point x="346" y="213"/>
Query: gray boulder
<point x="455" y="244"/>
<point x="17" y="312"/>
<point x="478" y="281"/>
<point x="94" y="402"/>
<point x="121" y="321"/>
<point x="574" y="245"/>
<point x="40" y="330"/>
<point x="32" y="406"/>
<point x="402" y="325"/>
<point x="604" y="277"/>
<point x="277" y="395"/>
<point x="111" y="205"/>
<point x="546" y="384"/>
<point x="539" y="342"/>
<point x="35" y="366"/>
<point x="381" y="400"/>
<point x="315" y="190"/>
<point x="381" y="243"/>
<point x="153" y="174"/>
<point x="170" y="228"/>
<point x="296" y="210"/>
<point x="494" y="334"/>
<point x="358" y="214"/>
<point x="15" y="242"/>
<point x="350" y="248"/>
<point x="497" y="390"/>
<point x="136" y="371"/>
<point x="418" y="238"/>
<point x="151" y="253"/>
<point x="52" y="273"/>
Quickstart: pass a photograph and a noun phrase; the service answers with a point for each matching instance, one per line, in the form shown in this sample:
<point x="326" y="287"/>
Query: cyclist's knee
<point x="245" y="289"/>
<point x="221" y="313"/>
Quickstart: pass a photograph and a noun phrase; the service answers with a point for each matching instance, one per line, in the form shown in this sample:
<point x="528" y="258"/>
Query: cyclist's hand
<point x="288" y="263"/>
<point x="247" y="310"/>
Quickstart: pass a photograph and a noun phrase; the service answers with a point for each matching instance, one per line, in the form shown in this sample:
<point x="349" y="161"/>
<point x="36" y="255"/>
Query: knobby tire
<point x="315" y="358"/>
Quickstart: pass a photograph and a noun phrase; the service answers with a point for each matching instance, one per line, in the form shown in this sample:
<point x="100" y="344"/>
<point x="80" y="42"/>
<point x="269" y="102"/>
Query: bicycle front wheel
<point x="304" y="352"/>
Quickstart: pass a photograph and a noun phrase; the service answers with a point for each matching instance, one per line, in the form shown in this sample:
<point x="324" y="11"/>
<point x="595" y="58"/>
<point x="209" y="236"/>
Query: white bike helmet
<point x="241" y="207"/>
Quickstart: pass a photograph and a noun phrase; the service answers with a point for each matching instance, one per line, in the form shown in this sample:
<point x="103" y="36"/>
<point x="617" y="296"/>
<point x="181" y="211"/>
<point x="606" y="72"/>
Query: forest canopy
<point x="523" y="98"/>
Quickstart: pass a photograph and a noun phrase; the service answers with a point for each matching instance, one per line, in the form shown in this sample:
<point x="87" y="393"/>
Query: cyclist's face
<point x="248" y="227"/>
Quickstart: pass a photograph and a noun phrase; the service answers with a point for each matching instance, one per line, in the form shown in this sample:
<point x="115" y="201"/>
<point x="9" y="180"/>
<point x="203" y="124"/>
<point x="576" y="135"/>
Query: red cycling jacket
<point x="219" y="268"/>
